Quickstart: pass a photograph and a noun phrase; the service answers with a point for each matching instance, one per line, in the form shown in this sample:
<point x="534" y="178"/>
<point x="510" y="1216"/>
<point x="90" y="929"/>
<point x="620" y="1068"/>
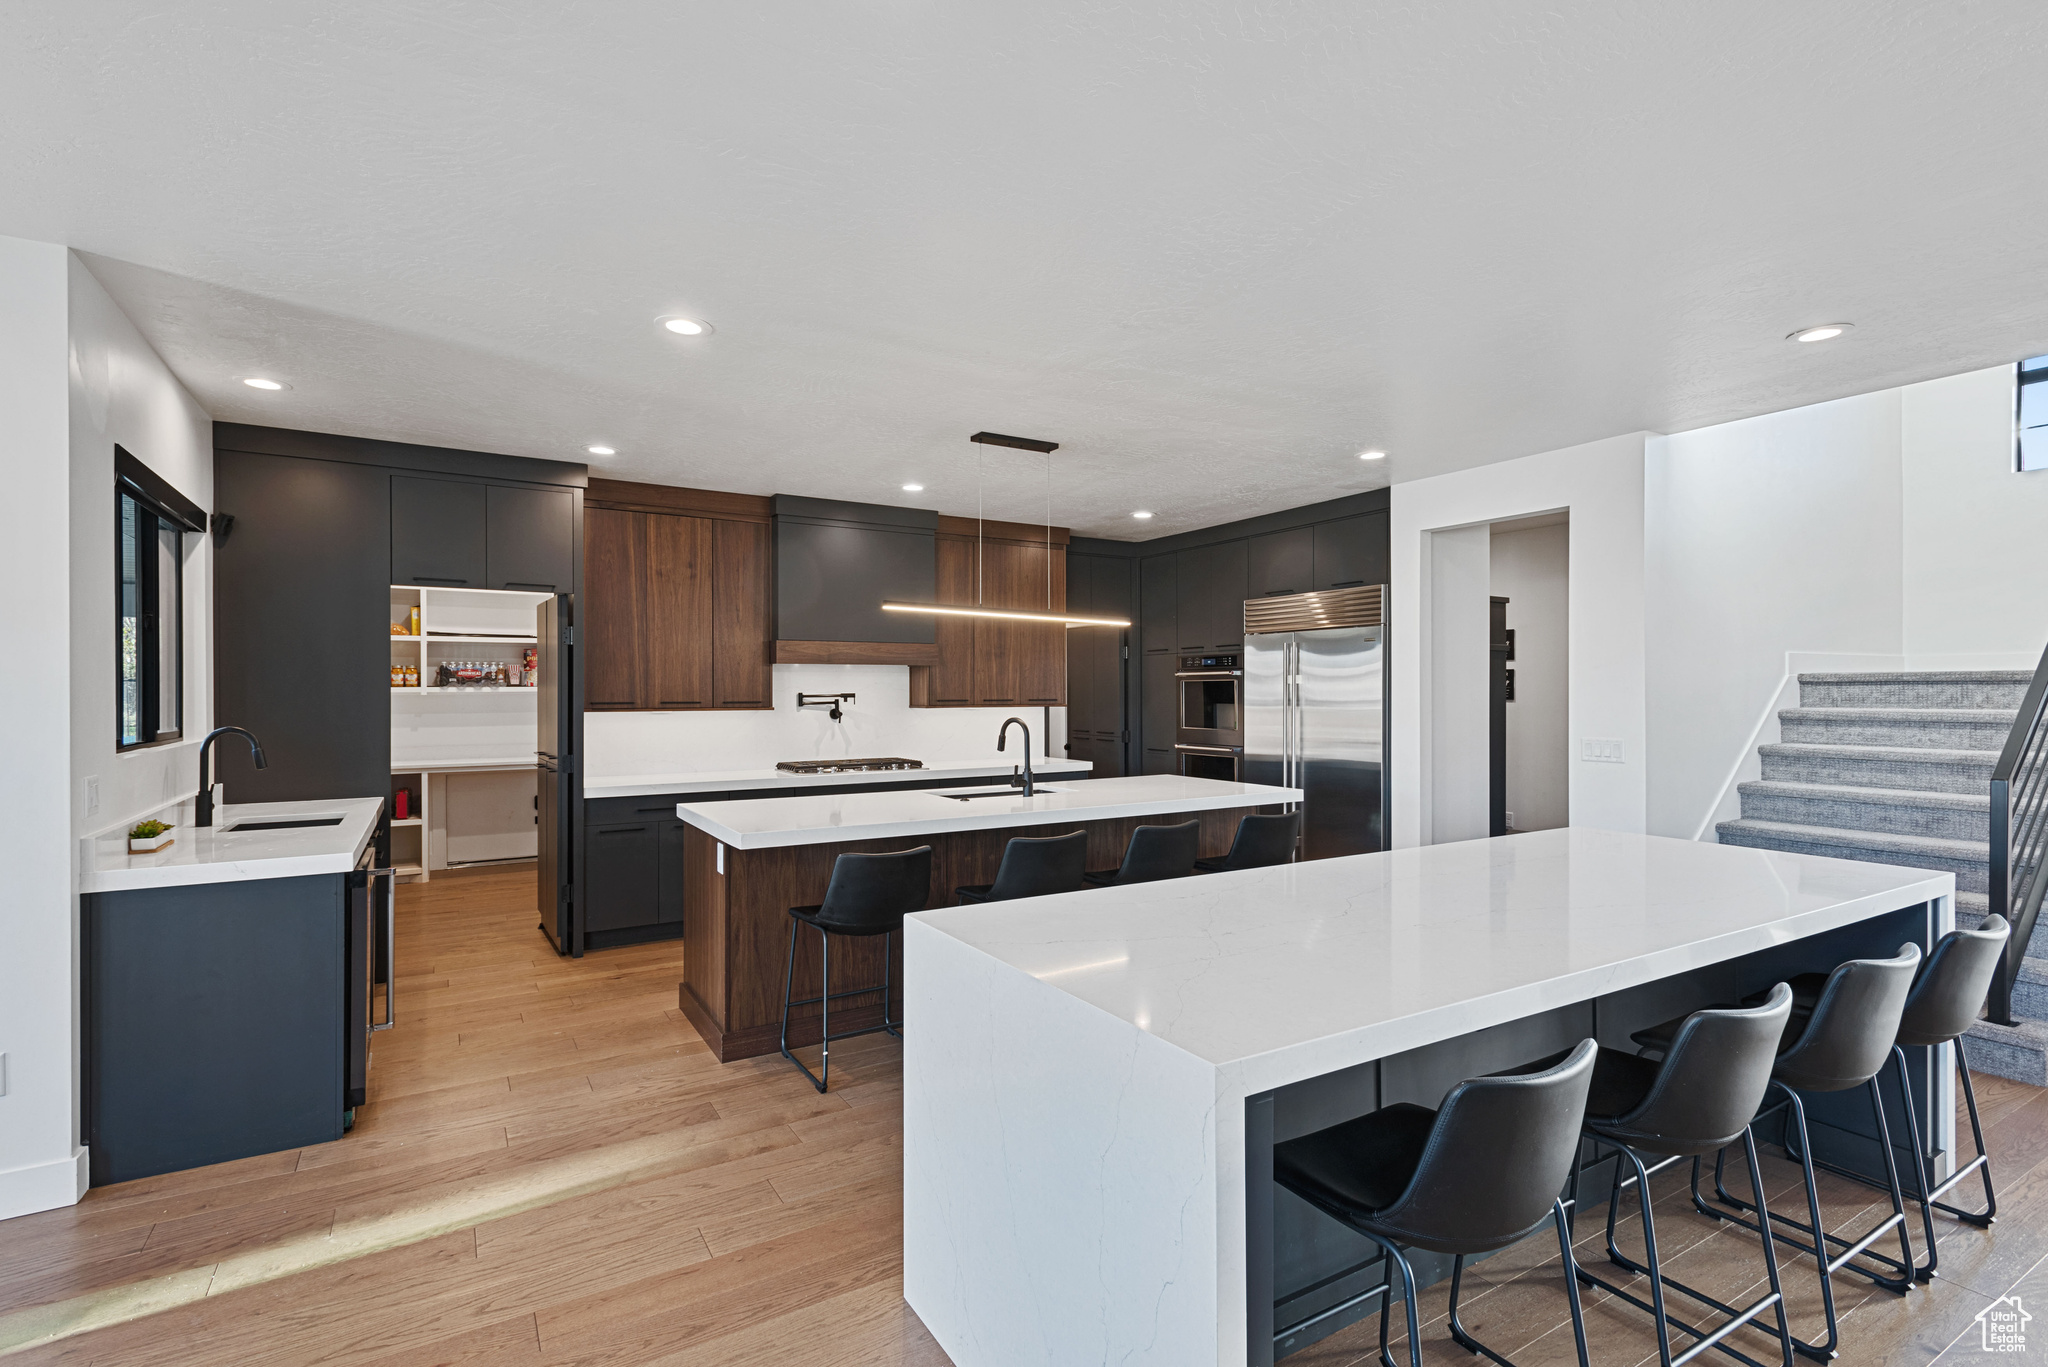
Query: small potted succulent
<point x="147" y="837"/>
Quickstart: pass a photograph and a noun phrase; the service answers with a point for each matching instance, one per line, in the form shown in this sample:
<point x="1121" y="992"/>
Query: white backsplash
<point x="879" y="722"/>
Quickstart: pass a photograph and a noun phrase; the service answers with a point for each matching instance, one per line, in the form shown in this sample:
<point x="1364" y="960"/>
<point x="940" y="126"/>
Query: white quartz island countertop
<point x="724" y="780"/>
<point x="773" y="822"/>
<point x="221" y="854"/>
<point x="1078" y="1069"/>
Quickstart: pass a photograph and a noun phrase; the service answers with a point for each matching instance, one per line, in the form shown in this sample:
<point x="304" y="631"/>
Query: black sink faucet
<point x="1004" y="735"/>
<point x="203" y="809"/>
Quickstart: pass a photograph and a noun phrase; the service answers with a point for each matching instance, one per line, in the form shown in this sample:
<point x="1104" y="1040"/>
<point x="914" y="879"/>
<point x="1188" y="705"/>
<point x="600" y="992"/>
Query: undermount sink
<point x="994" y="792"/>
<point x="287" y="824"/>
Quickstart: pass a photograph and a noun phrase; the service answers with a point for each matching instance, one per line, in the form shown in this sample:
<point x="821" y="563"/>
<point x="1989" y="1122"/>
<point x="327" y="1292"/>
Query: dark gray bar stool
<point x="1260" y="842"/>
<point x="1034" y="866"/>
<point x="869" y="895"/>
<point x="1847" y="1041"/>
<point x="1477" y="1175"/>
<point x="1946" y="1000"/>
<point x="1155" y="852"/>
<point x="1697" y="1101"/>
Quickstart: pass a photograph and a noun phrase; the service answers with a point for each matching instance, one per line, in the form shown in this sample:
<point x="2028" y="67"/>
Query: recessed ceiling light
<point x="601" y="450"/>
<point x="913" y="488"/>
<point x="1141" y="515"/>
<point x="1372" y="455"/>
<point x="688" y="327"/>
<point x="258" y="382"/>
<point x="1821" y="333"/>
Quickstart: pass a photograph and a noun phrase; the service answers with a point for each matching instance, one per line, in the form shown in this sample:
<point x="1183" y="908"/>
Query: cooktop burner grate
<point x="847" y="766"/>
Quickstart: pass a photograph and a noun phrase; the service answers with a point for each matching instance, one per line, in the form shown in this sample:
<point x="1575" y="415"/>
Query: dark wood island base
<point x="736" y="922"/>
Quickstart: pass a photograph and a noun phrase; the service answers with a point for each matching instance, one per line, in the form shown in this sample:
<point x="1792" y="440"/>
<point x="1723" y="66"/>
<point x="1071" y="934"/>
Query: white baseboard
<point x="44" y="1186"/>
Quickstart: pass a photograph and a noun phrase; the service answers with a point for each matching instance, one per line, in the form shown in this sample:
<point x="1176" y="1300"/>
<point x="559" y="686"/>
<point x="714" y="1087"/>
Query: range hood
<point x="835" y="564"/>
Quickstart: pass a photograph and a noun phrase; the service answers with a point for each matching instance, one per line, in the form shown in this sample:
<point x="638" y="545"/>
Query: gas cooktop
<point x="846" y="766"/>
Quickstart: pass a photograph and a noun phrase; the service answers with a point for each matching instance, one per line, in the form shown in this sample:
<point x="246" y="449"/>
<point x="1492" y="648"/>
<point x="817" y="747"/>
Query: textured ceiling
<point x="1212" y="249"/>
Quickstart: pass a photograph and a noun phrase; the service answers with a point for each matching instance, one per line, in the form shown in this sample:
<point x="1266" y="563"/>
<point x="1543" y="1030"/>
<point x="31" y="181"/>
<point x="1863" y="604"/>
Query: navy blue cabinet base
<point x="219" y="1020"/>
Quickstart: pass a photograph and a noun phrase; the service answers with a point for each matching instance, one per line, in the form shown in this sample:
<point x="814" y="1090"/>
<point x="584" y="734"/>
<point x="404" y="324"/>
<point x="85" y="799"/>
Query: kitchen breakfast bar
<point x="747" y="862"/>
<point x="1094" y="1083"/>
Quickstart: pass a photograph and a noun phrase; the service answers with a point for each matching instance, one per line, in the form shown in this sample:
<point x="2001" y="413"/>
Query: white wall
<point x="1456" y="725"/>
<point x="1774" y="535"/>
<point x="75" y="379"/>
<point x="123" y="394"/>
<point x="1974" y="529"/>
<point x="1530" y="570"/>
<point x="880" y="722"/>
<point x="1601" y="485"/>
<point x="40" y="1162"/>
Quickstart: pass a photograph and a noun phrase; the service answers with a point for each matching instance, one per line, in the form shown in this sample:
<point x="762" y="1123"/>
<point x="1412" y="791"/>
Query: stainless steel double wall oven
<point x="1209" y="738"/>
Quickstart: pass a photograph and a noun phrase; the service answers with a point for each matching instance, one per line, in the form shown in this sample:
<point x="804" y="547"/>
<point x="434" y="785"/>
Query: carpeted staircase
<point x="1896" y="769"/>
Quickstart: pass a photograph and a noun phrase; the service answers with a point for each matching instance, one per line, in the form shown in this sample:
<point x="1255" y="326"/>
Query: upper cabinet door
<point x="437" y="533"/>
<point x="1283" y="562"/>
<point x="740" y="614"/>
<point x="1351" y="551"/>
<point x="950" y="682"/>
<point x="678" y="612"/>
<point x="1158" y="602"/>
<point x="532" y="539"/>
<point x="1213" y="580"/>
<point x="614" y="561"/>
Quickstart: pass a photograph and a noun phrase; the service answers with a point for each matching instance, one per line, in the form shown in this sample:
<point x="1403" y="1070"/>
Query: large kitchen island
<point x="1095" y="1082"/>
<point x="748" y="862"/>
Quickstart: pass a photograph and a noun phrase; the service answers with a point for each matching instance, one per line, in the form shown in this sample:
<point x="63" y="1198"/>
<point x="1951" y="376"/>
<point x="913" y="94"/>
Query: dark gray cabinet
<point x="1095" y="662"/>
<point x="1159" y="698"/>
<point x="1157" y="604"/>
<point x="1351" y="551"/>
<point x="302" y="577"/>
<point x="1283" y="562"/>
<point x="529" y="539"/>
<point x="1213" y="582"/>
<point x="837" y="563"/>
<point x="438" y="532"/>
<point x="622" y="874"/>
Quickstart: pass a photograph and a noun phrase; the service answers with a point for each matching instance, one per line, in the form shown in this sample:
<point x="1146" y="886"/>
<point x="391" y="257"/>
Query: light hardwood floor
<point x="553" y="1171"/>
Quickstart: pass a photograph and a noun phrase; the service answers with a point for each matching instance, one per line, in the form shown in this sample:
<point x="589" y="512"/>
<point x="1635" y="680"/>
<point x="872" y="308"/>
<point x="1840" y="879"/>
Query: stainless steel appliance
<point x="847" y="766"/>
<point x="372" y="927"/>
<point x="558" y="755"/>
<point x="1209" y="731"/>
<point x="1315" y="714"/>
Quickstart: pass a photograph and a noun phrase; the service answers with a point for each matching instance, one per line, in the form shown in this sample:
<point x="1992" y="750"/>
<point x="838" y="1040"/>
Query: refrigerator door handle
<point x="390" y="949"/>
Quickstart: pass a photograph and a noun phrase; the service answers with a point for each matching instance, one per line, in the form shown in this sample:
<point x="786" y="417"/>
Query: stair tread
<point x="2004" y="676"/>
<point x="1910" y="714"/>
<point x="1842" y="792"/>
<point x="2026" y="1032"/>
<point x="1971" y="850"/>
<point x="1793" y="749"/>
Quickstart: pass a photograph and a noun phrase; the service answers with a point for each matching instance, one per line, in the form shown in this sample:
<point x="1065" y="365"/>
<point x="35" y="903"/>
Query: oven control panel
<point x="1194" y="662"/>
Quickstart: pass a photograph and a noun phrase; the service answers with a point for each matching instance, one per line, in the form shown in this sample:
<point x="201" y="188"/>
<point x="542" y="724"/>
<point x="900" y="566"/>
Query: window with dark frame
<point x="2030" y="426"/>
<point x="150" y="522"/>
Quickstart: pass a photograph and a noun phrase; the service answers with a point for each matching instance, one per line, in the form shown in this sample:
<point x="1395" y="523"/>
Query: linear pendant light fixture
<point x="1044" y="448"/>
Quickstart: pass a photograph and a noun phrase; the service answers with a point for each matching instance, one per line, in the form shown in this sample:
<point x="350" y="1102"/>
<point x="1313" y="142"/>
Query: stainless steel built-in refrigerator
<point x="1315" y="714"/>
<point x="558" y="754"/>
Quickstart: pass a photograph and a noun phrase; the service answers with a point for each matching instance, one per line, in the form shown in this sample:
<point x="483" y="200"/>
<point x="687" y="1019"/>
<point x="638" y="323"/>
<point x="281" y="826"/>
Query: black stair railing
<point x="2019" y="835"/>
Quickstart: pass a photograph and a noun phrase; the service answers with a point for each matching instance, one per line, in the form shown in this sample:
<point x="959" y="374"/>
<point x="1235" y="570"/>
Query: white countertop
<point x="216" y="854"/>
<point x="457" y="765"/>
<point x="1365" y="956"/>
<point x="721" y="780"/>
<point x="771" y="822"/>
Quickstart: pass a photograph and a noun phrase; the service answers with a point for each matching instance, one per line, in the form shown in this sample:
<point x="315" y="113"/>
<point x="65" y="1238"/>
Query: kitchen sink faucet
<point x="203" y="808"/>
<point x="1004" y="735"/>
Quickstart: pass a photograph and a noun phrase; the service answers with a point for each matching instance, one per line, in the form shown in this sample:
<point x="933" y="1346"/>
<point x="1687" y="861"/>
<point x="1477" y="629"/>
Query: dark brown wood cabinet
<point x="676" y="580"/>
<point x="987" y="662"/>
<point x="675" y="600"/>
<point x="741" y="630"/>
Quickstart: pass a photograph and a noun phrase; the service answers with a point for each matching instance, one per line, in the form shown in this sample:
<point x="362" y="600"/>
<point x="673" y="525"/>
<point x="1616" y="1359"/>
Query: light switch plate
<point x="1600" y="751"/>
<point x="92" y="795"/>
<point x="3" y="1075"/>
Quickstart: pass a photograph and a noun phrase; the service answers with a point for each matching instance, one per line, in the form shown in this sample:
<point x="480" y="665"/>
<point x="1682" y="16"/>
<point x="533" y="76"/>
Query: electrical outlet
<point x="1600" y="751"/>
<point x="3" y="1075"/>
<point x="1511" y="820"/>
<point x="92" y="795"/>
